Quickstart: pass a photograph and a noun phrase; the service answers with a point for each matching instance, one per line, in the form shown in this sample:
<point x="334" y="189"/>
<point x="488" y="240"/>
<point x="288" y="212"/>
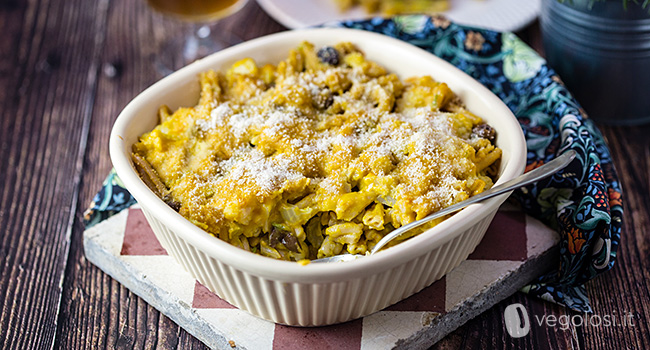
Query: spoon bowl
<point x="534" y="175"/>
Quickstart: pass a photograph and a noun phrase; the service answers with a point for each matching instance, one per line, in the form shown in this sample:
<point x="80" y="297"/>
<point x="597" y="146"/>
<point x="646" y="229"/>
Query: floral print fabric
<point x="583" y="202"/>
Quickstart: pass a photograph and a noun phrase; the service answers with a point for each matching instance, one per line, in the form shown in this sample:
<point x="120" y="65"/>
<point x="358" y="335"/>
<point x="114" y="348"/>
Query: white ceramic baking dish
<point x="316" y="294"/>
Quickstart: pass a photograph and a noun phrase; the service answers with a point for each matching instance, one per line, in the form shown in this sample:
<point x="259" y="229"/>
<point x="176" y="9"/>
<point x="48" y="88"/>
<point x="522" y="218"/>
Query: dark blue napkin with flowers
<point x="582" y="202"/>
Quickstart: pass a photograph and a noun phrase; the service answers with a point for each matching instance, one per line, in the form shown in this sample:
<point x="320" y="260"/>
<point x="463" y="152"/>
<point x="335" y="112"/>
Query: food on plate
<point x="323" y="153"/>
<point x="394" y="7"/>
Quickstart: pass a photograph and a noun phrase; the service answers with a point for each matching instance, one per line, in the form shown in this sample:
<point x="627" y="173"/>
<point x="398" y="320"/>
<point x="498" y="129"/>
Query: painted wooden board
<point x="515" y="249"/>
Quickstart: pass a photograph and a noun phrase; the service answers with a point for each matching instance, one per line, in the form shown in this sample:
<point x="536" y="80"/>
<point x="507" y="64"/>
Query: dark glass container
<point x="601" y="50"/>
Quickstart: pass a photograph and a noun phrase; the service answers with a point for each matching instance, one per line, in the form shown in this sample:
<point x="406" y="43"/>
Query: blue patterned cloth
<point x="583" y="202"/>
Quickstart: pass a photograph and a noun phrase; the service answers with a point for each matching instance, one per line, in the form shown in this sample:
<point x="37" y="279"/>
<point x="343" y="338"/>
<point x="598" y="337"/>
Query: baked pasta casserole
<point x="323" y="153"/>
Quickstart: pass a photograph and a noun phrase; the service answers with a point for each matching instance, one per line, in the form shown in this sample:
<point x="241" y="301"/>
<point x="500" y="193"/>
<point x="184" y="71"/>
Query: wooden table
<point x="67" y="67"/>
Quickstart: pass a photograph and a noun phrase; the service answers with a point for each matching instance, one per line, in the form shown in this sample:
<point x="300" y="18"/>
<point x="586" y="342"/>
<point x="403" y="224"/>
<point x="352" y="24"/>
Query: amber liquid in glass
<point x="196" y="10"/>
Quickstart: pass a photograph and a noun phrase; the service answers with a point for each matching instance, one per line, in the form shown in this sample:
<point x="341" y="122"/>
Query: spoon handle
<point x="534" y="175"/>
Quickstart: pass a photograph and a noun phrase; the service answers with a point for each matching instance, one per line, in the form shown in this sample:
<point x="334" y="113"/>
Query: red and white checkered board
<point x="515" y="248"/>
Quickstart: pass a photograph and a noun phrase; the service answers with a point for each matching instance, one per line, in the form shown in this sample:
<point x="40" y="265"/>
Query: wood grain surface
<point x="67" y="68"/>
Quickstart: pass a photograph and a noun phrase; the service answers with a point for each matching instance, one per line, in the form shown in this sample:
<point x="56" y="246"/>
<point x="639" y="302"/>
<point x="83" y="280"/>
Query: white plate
<point x="500" y="15"/>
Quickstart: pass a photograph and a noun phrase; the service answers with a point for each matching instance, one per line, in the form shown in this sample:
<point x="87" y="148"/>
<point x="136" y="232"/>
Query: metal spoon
<point x="537" y="174"/>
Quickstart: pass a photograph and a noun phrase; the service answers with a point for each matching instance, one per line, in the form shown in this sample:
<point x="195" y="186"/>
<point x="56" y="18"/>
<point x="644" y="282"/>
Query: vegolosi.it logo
<point x="518" y="322"/>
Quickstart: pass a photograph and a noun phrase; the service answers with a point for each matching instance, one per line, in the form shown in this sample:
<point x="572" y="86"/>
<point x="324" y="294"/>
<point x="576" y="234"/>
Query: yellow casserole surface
<point x="323" y="153"/>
